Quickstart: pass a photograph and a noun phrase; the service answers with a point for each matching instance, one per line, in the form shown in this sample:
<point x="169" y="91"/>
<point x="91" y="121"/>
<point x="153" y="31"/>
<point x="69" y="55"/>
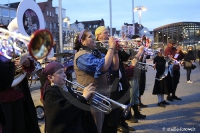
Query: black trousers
<point x="172" y="82"/>
<point x="188" y="74"/>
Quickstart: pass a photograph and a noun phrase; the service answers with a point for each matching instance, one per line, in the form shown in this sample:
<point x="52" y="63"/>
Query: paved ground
<point x="178" y="116"/>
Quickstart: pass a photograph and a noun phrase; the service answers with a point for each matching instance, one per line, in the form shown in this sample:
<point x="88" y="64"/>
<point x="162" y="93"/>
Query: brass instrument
<point x="123" y="44"/>
<point x="102" y="102"/>
<point x="39" y="46"/>
<point x="140" y="65"/>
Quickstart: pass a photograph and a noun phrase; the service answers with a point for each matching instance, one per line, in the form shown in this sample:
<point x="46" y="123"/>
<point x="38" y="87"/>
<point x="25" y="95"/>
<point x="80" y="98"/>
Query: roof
<point x="173" y="24"/>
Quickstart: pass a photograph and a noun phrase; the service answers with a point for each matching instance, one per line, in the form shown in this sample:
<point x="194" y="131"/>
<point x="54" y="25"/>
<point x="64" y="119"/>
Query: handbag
<point x="188" y="64"/>
<point x="193" y="66"/>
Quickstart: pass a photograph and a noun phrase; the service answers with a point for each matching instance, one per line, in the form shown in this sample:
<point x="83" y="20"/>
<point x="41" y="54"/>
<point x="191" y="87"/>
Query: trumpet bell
<point x="126" y="109"/>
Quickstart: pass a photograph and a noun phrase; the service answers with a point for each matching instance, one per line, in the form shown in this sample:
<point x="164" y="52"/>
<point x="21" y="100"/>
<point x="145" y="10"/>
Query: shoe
<point x="131" y="129"/>
<point x="189" y="81"/>
<point x="140" y="116"/>
<point x="169" y="98"/>
<point x="123" y="129"/>
<point x="161" y="104"/>
<point x="132" y="120"/>
<point x="164" y="102"/>
<point x="142" y="105"/>
<point x="176" y="98"/>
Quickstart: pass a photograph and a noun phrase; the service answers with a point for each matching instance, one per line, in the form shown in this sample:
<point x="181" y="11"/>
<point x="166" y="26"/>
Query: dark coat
<point x="113" y="118"/>
<point x="30" y="111"/>
<point x="7" y="71"/>
<point x="160" y="86"/>
<point x="62" y="116"/>
<point x="188" y="57"/>
<point x="6" y="78"/>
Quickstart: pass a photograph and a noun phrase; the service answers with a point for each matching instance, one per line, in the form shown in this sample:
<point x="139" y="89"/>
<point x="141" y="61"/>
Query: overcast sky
<point x="159" y="12"/>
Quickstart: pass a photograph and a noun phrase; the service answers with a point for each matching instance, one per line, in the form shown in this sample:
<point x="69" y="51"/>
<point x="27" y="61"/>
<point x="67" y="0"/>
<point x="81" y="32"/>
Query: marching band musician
<point x="114" y="120"/>
<point x="134" y="84"/>
<point x="17" y="103"/>
<point x="62" y="115"/>
<point x="18" y="106"/>
<point x="160" y="85"/>
<point x="142" y="80"/>
<point x="91" y="66"/>
<point x="173" y="53"/>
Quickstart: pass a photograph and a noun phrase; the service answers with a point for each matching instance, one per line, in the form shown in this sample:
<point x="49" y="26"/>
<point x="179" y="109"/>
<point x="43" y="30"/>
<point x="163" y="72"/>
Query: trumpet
<point x="102" y="102"/>
<point x="146" y="64"/>
<point x="140" y="65"/>
<point x="123" y="44"/>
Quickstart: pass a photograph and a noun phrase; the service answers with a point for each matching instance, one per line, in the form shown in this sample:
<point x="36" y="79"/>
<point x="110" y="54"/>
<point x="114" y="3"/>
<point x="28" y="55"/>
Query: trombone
<point x="102" y="102"/>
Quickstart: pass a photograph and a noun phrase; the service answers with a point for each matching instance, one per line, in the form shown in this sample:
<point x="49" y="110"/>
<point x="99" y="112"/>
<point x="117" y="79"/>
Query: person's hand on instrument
<point x="17" y="62"/>
<point x="112" y="42"/>
<point x="88" y="91"/>
<point x="134" y="62"/>
<point x="26" y="63"/>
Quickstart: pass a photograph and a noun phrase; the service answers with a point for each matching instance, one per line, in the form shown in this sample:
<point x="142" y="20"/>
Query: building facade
<point x="91" y="25"/>
<point x="7" y="14"/>
<point x="185" y="33"/>
<point x="50" y="17"/>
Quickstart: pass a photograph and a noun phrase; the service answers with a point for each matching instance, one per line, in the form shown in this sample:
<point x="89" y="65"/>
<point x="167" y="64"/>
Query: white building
<point x="6" y="14"/>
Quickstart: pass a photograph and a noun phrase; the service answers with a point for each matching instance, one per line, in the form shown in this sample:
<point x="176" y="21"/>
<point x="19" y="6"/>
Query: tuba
<point x="24" y="40"/>
<point x="38" y="47"/>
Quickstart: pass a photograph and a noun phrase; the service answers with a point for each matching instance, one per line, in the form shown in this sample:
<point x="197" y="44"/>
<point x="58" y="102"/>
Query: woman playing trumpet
<point x="91" y="66"/>
<point x="62" y="112"/>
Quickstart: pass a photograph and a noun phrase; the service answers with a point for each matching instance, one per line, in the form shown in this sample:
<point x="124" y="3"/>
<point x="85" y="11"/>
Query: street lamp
<point x="67" y="20"/>
<point x="139" y="9"/>
<point x="68" y="32"/>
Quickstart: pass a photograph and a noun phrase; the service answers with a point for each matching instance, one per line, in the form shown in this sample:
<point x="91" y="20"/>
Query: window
<point x="12" y="13"/>
<point x="46" y="24"/>
<point x="47" y="13"/>
<point x="5" y="13"/>
<point x="50" y="25"/>
<point x="52" y="14"/>
<point x="54" y="25"/>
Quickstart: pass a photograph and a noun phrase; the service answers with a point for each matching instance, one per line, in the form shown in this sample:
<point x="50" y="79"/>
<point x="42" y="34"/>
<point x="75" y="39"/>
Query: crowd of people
<point x="99" y="70"/>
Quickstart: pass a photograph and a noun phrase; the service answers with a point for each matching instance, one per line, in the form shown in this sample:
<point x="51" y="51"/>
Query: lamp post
<point x="60" y="26"/>
<point x="140" y="9"/>
<point x="133" y="18"/>
<point x="110" y="3"/>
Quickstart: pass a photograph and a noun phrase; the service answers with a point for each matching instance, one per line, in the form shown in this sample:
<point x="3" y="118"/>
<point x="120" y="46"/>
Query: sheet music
<point x="176" y="55"/>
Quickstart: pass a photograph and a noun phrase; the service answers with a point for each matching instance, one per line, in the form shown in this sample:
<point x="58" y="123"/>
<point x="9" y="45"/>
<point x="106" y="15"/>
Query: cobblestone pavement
<point x="179" y="116"/>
